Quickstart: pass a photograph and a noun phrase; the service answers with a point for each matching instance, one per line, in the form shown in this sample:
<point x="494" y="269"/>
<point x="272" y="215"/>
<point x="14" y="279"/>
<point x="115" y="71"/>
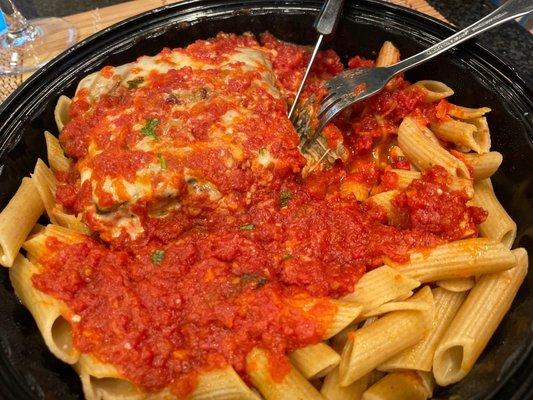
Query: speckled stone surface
<point x="511" y="42"/>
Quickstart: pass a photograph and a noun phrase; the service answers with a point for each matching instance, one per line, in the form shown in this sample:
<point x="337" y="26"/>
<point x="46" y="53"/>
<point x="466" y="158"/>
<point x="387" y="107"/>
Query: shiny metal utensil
<point x="357" y="84"/>
<point x="325" y="24"/>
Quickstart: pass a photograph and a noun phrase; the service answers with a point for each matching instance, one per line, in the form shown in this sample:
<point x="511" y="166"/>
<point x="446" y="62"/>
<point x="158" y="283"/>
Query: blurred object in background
<point x="526" y="21"/>
<point x="27" y="45"/>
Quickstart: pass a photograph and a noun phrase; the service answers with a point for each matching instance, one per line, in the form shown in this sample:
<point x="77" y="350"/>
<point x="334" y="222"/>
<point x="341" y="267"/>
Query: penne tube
<point x="35" y="246"/>
<point x="420" y="356"/>
<point x="18" y="219"/>
<point x="332" y="390"/>
<point x="380" y="286"/>
<point x="384" y="200"/>
<point x="466" y="113"/>
<point x="347" y="312"/>
<point x="292" y="386"/>
<point x="420" y="147"/>
<point x="406" y="385"/>
<point x="359" y="190"/>
<point x="47" y="311"/>
<point x="476" y="321"/>
<point x="61" y="112"/>
<point x="406" y="177"/>
<point x="45" y="182"/>
<point x="459" y="259"/>
<point x="482" y="134"/>
<point x="483" y="165"/>
<point x="388" y="55"/>
<point x="498" y="225"/>
<point x="57" y="159"/>
<point x="315" y="361"/>
<point x="418" y="305"/>
<point x="434" y="90"/>
<point x="368" y="347"/>
<point x="221" y="384"/>
<point x="460" y="133"/>
<point x="457" y="284"/>
<point x="70" y="221"/>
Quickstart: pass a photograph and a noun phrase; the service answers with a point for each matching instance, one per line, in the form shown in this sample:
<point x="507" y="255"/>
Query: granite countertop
<point x="510" y="42"/>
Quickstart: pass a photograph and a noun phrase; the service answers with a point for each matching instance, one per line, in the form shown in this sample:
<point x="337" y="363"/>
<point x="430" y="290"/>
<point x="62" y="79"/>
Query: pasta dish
<point x="196" y="250"/>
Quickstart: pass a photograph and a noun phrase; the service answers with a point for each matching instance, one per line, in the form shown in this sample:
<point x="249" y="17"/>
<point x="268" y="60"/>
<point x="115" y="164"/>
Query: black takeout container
<point x="479" y="78"/>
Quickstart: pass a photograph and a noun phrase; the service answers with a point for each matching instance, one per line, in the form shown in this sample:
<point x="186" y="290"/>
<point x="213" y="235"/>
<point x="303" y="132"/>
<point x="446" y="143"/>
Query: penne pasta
<point x="368" y="347"/>
<point x="18" y="219"/>
<point x="57" y="159"/>
<point x="457" y="284"/>
<point x="434" y="90"/>
<point x="347" y="312"/>
<point x="332" y="390"/>
<point x="388" y="55"/>
<point x="406" y="385"/>
<point x="61" y="112"/>
<point x="315" y="361"/>
<point x="35" y="246"/>
<point x="45" y="182"/>
<point x="411" y="304"/>
<point x="476" y="321"/>
<point x="467" y="113"/>
<point x="380" y="286"/>
<point x="483" y="165"/>
<point x="292" y="386"/>
<point x="420" y="356"/>
<point x="459" y="259"/>
<point x="460" y="133"/>
<point x="498" y="225"/>
<point x="482" y="134"/>
<point x="47" y="311"/>
<point x="406" y="177"/>
<point x="384" y="200"/>
<point x="420" y="147"/>
<point x="359" y="190"/>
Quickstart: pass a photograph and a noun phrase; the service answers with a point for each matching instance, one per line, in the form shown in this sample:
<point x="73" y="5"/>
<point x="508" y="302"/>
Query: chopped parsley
<point x="284" y="198"/>
<point x="157" y="256"/>
<point x="286" y="256"/>
<point x="134" y="83"/>
<point x="248" y="227"/>
<point x="149" y="128"/>
<point x="162" y="161"/>
<point x="254" y="279"/>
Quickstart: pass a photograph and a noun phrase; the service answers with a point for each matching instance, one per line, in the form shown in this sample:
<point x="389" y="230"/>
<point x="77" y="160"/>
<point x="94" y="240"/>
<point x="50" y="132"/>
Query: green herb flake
<point x="162" y="161"/>
<point x="262" y="151"/>
<point x="284" y="197"/>
<point x="254" y="279"/>
<point x="157" y="256"/>
<point x="134" y="83"/>
<point x="149" y="128"/>
<point x="286" y="256"/>
<point x="247" y="227"/>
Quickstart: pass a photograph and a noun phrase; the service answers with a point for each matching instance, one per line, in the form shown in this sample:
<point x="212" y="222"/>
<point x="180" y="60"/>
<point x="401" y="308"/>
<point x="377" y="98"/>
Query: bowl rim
<point x="21" y="100"/>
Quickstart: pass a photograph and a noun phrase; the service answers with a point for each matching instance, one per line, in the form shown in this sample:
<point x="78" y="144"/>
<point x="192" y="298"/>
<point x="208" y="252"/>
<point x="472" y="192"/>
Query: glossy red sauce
<point x="205" y="284"/>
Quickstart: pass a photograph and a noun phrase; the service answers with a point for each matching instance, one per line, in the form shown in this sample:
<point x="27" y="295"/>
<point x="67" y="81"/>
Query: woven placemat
<point x="90" y="22"/>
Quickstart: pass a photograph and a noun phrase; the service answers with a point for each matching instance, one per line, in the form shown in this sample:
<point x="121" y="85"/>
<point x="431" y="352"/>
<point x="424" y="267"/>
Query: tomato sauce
<point x="207" y="282"/>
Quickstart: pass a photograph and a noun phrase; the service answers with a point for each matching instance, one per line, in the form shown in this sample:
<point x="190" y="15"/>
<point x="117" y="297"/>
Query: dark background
<point x="511" y="42"/>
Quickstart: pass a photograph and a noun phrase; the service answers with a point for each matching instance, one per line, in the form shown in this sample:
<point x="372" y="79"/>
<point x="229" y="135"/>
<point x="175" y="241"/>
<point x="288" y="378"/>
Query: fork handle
<point x="509" y="10"/>
<point x="328" y="17"/>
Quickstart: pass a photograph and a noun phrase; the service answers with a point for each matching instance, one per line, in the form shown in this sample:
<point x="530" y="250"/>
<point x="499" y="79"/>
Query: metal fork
<point x="357" y="84"/>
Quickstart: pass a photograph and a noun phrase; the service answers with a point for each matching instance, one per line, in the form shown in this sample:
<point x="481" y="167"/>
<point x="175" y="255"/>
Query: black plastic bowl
<point x="29" y="371"/>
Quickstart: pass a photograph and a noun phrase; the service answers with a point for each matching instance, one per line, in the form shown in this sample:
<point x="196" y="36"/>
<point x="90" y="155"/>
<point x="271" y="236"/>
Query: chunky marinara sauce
<point x="204" y="278"/>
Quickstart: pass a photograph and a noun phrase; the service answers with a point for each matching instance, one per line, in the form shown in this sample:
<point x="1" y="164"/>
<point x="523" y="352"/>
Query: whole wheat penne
<point x="420" y="356"/>
<point x="388" y="55"/>
<point x="315" y="361"/>
<point x="466" y="112"/>
<point x="498" y="225"/>
<point x="459" y="259"/>
<point x="368" y="347"/>
<point x="293" y="386"/>
<point x="420" y="146"/>
<point x="434" y="90"/>
<point x="18" y="219"/>
<point x="457" y="132"/>
<point x="483" y="165"/>
<point x="476" y="321"/>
